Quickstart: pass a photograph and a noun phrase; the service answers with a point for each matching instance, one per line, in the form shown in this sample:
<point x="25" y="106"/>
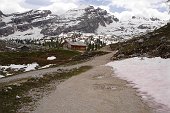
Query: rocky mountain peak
<point x="86" y="20"/>
<point x="140" y="18"/>
<point x="29" y="16"/>
<point x="155" y="19"/>
<point x="2" y="14"/>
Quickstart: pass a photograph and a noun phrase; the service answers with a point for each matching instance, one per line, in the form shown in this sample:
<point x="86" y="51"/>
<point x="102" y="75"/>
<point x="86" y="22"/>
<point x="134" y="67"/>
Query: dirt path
<point x="95" y="91"/>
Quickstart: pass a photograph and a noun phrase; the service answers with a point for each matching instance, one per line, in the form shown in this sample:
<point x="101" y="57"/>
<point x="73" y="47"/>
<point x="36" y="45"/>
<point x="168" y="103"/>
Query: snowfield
<point x="150" y="75"/>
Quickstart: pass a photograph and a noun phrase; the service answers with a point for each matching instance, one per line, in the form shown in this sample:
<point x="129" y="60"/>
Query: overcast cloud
<point x="120" y="8"/>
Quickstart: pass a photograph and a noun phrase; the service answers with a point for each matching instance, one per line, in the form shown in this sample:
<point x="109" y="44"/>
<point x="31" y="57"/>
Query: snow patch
<point x="47" y="66"/>
<point x="31" y="67"/>
<point x="51" y="58"/>
<point x="150" y="75"/>
<point x="7" y="19"/>
<point x="1" y="76"/>
<point x="26" y="68"/>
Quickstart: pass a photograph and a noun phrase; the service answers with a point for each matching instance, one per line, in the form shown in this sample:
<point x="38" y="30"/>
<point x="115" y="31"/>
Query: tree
<point x="89" y="47"/>
<point x="92" y="47"/>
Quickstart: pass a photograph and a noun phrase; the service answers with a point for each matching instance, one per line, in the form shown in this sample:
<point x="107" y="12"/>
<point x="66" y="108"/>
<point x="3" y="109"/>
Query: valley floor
<point x="95" y="91"/>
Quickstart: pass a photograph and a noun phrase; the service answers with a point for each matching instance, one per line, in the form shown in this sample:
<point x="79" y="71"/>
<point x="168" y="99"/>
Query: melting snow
<point x="27" y="67"/>
<point x="1" y="76"/>
<point x="51" y="58"/>
<point x="31" y="67"/>
<point x="47" y="66"/>
<point x="150" y="75"/>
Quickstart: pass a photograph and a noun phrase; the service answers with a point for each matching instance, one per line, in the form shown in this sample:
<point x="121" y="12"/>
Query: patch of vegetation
<point x="154" y="44"/>
<point x="14" y="97"/>
<point x="88" y="55"/>
<point x="63" y="57"/>
<point x="40" y="57"/>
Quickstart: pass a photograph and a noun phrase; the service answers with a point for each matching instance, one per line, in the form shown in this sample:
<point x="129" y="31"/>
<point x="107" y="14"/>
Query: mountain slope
<point x="85" y="20"/>
<point x="44" y="23"/>
<point x="37" y="24"/>
<point x="132" y="27"/>
<point x="154" y="44"/>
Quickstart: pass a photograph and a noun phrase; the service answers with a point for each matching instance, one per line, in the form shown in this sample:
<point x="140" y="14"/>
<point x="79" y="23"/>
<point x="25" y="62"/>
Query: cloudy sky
<point x="120" y="8"/>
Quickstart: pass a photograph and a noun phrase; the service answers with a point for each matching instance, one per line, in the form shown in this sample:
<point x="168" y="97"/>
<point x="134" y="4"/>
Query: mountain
<point x="36" y="24"/>
<point x="153" y="44"/>
<point x="132" y="27"/>
<point x="2" y="14"/>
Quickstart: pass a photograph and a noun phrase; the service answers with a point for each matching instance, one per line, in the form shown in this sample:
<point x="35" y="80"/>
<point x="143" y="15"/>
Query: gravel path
<point x="95" y="91"/>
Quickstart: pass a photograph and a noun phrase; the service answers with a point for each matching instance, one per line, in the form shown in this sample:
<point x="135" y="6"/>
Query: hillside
<point x="154" y="44"/>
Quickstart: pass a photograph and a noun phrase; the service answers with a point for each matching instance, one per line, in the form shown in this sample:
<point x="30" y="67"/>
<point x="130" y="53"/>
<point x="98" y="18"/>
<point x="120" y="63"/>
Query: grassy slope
<point x="154" y="44"/>
<point x="63" y="57"/>
<point x="40" y="57"/>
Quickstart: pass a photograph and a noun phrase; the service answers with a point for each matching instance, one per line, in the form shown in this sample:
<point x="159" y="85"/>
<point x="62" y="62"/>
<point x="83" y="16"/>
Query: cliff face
<point x="85" y="20"/>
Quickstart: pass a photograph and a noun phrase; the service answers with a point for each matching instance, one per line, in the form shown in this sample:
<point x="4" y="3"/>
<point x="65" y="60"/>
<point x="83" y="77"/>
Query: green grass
<point x="8" y="101"/>
<point x="88" y="55"/>
<point x="63" y="57"/>
<point x="40" y="57"/>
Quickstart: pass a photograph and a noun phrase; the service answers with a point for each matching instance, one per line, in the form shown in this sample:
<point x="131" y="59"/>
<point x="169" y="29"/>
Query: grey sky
<point x="120" y="8"/>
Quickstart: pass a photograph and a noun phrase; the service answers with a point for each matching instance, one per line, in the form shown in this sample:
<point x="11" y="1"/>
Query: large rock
<point x="24" y="27"/>
<point x="2" y="14"/>
<point x="5" y="31"/>
<point x="2" y="24"/>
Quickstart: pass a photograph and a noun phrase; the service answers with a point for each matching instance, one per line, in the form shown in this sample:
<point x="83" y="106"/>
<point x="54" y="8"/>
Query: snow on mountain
<point x="132" y="27"/>
<point x="36" y="24"/>
<point x="33" y="33"/>
<point x="74" y="13"/>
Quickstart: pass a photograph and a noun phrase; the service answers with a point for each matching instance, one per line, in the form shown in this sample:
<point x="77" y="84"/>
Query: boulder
<point x="5" y="31"/>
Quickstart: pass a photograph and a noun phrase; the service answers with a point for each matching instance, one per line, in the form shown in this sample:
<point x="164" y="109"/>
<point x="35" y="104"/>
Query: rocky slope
<point x="154" y="44"/>
<point x="36" y="24"/>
